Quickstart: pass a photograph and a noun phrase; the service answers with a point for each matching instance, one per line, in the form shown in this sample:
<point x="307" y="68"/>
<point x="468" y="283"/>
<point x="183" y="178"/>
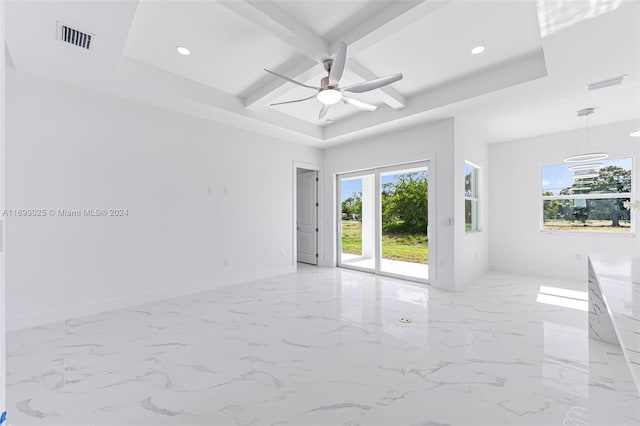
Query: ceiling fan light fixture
<point x="330" y="92"/>
<point x="477" y="50"/>
<point x="329" y="96"/>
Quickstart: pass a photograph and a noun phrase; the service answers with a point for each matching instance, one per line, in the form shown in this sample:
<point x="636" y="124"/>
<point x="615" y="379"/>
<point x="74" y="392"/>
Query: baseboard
<point x="461" y="284"/>
<point x="40" y="319"/>
<point x="546" y="273"/>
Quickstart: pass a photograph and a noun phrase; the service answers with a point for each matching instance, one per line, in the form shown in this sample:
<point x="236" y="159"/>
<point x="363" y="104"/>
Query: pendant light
<point x="584" y="149"/>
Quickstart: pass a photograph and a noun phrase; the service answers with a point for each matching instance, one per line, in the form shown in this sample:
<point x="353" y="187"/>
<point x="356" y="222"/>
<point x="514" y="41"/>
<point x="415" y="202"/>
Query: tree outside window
<point x="471" y="201"/>
<point x="592" y="198"/>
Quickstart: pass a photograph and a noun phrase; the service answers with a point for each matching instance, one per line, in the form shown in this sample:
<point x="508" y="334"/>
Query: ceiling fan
<point x="329" y="92"/>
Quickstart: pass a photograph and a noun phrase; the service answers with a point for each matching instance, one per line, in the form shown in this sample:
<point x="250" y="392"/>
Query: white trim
<point x="377" y="214"/>
<point x="18" y="323"/>
<point x="608" y="234"/>
<point x="319" y="222"/>
<point x="606" y="196"/>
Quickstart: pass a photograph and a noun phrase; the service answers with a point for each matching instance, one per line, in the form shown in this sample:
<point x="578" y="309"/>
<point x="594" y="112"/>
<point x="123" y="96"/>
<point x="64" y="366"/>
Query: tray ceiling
<point x="231" y="42"/>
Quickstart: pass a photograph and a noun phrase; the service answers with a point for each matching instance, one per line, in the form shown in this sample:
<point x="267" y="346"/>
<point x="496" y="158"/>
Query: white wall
<point x="517" y="244"/>
<point x="471" y="248"/>
<point x="2" y="206"/>
<point x="70" y="148"/>
<point x="434" y="142"/>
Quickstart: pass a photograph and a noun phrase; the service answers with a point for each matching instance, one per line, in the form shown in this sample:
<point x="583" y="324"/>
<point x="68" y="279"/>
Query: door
<point x="307" y="216"/>
<point x="383" y="217"/>
<point x="404" y="243"/>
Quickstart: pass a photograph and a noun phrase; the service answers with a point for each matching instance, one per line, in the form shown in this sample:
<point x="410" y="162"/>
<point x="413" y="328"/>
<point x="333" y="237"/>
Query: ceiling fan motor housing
<point x="324" y="84"/>
<point x="327" y="64"/>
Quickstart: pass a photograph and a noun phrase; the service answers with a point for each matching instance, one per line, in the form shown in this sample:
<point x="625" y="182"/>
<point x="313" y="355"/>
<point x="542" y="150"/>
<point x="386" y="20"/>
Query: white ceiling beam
<point x="268" y="88"/>
<point x="360" y="33"/>
<point x="278" y="23"/>
<point x="393" y="18"/>
<point x="389" y="95"/>
<point x="268" y="16"/>
<point x="139" y="81"/>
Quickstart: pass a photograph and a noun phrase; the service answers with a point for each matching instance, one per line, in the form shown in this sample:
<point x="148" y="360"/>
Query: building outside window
<point x="590" y="197"/>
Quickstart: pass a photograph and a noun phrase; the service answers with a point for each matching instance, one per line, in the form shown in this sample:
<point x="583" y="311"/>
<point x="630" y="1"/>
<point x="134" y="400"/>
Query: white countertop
<point x="619" y="280"/>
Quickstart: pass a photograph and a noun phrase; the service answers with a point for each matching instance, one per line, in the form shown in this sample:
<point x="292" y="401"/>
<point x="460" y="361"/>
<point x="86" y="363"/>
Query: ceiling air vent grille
<point x="614" y="81"/>
<point x="74" y="36"/>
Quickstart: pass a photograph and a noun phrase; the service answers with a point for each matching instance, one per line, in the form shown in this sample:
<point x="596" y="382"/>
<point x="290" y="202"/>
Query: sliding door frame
<point x="377" y="172"/>
<point x="339" y="218"/>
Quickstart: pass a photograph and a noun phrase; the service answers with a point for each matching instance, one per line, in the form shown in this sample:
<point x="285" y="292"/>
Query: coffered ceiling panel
<point x="227" y="52"/>
<point x="437" y="48"/>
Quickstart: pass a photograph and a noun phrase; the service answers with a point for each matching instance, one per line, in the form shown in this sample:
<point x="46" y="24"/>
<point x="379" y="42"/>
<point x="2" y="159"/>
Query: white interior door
<point x="307" y="217"/>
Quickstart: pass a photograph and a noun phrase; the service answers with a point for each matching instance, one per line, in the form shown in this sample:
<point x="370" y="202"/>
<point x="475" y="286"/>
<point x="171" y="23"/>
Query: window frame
<point x="475" y="199"/>
<point x="612" y="195"/>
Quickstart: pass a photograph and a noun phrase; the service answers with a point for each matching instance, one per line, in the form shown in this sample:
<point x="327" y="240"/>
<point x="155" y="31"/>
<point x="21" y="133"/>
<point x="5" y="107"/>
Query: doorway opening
<point x="307" y="216"/>
<point x="383" y="217"/>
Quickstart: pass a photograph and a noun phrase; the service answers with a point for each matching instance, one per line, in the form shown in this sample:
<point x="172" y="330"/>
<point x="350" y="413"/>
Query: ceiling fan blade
<point x="337" y="68"/>
<point x="323" y="111"/>
<point x="365" y="86"/>
<point x="359" y="104"/>
<point x="290" y="102"/>
<point x="291" y="80"/>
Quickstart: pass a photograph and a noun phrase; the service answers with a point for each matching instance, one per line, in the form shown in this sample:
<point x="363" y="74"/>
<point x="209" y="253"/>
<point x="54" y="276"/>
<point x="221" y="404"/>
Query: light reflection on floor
<point x="395" y="267"/>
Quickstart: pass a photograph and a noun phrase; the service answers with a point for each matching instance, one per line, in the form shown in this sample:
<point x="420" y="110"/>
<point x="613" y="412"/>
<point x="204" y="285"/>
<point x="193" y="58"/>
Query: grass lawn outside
<point x="591" y="226"/>
<point x="408" y="248"/>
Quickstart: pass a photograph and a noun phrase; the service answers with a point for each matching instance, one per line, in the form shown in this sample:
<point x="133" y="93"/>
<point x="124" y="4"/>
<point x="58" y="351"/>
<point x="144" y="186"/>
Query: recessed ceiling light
<point x="635" y="133"/>
<point x="476" y="50"/>
<point x="183" y="50"/>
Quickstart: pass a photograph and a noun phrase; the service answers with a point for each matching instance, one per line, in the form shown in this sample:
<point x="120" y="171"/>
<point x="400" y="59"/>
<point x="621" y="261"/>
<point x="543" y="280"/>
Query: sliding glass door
<point x="383" y="221"/>
<point x="404" y="197"/>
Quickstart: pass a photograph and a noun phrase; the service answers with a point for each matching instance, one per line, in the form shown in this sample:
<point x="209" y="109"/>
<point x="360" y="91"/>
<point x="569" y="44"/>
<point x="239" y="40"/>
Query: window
<point x="471" y="198"/>
<point x="587" y="196"/>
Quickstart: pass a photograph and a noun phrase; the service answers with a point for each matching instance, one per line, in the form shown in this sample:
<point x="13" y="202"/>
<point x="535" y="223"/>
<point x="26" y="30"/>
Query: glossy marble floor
<point x="324" y="347"/>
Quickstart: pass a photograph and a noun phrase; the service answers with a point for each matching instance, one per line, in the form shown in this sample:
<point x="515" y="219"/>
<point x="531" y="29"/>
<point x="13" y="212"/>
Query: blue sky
<point x="558" y="176"/>
<point x="348" y="187"/>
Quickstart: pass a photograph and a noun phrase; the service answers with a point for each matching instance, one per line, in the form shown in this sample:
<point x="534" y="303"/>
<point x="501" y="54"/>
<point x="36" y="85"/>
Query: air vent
<point x="74" y="36"/>
<point x="606" y="83"/>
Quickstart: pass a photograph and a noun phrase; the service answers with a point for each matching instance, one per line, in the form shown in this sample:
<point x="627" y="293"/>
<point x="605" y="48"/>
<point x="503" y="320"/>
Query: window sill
<point x="591" y="233"/>
<point x="479" y="231"/>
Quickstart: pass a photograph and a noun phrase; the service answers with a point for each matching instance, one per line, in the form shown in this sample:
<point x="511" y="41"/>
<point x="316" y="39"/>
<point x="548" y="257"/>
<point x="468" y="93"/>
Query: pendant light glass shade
<point x="592" y="156"/>
<point x="584" y="145"/>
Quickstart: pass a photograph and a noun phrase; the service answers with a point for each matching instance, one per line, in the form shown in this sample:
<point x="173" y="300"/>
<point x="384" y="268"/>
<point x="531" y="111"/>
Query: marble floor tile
<point x="325" y="346"/>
